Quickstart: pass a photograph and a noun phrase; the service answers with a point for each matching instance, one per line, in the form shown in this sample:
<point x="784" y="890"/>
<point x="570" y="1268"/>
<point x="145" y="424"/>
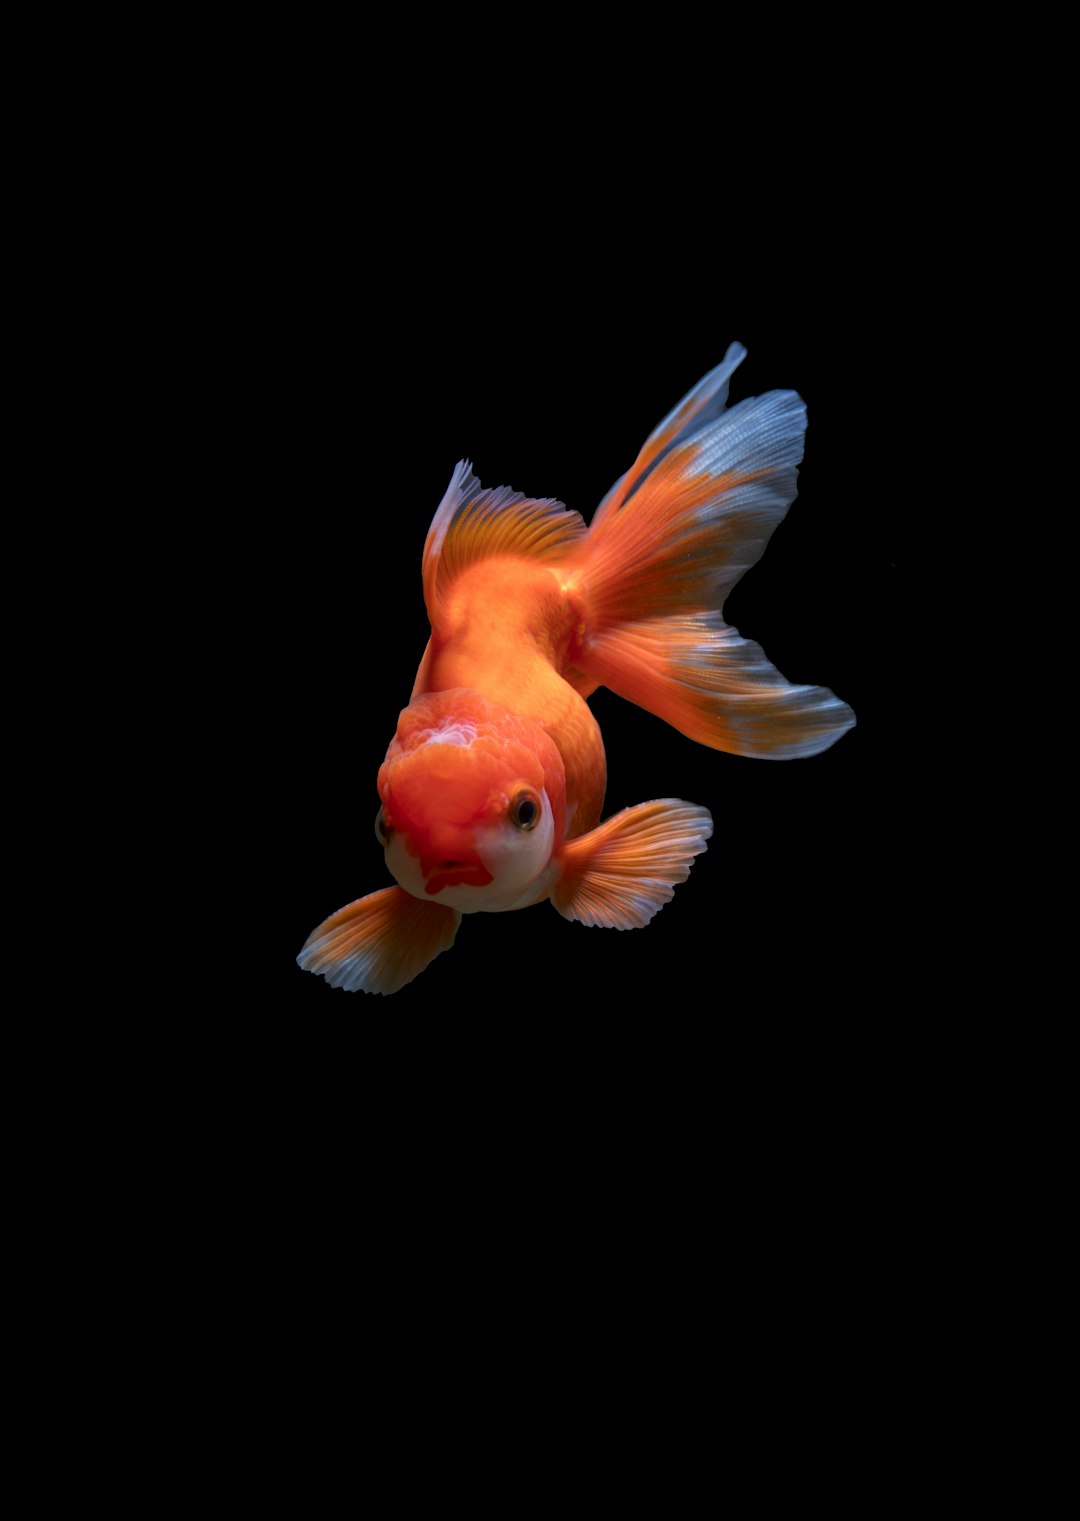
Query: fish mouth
<point x="456" y="874"/>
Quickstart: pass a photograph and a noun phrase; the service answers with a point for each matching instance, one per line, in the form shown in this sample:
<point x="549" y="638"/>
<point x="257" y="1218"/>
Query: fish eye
<point x="382" y="828"/>
<point x="525" y="810"/>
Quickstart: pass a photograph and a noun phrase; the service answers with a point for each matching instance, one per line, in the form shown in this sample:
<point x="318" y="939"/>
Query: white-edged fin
<point x="623" y="872"/>
<point x="472" y="524"/>
<point x="702" y="677"/>
<point x="661" y="559"/>
<point x="700" y="519"/>
<point x="699" y="406"/>
<point x="379" y="943"/>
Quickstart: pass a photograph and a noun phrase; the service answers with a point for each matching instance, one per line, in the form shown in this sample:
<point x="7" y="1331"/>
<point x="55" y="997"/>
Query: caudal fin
<point x="665" y="548"/>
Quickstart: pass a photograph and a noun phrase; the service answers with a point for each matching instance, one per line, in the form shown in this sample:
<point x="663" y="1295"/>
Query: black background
<point x="357" y="346"/>
<point x="713" y="1116"/>
<point x="754" y="1040"/>
<point x="668" y="1141"/>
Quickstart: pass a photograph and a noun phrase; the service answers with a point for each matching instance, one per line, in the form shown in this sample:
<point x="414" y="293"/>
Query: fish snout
<point x="451" y="872"/>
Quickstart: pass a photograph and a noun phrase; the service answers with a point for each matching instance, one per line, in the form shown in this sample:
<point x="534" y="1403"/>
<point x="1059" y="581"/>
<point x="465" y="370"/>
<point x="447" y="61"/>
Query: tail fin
<point x="665" y="547"/>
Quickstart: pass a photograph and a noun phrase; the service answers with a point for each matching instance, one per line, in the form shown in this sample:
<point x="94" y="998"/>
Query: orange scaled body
<point x="512" y="632"/>
<point x="493" y="785"/>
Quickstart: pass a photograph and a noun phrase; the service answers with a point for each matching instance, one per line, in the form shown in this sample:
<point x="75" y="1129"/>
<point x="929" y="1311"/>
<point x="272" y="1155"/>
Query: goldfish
<point x="492" y="790"/>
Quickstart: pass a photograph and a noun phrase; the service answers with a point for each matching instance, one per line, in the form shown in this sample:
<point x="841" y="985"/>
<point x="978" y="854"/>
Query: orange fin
<point x="664" y="550"/>
<point x="698" y="407"/>
<point x="379" y="943"/>
<point x="703" y="678"/>
<point x="473" y="524"/>
<point x="700" y="518"/>
<point x="623" y="872"/>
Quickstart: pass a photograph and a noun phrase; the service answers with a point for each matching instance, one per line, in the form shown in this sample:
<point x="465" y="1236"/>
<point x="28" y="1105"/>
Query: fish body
<point x="510" y="630"/>
<point x="493" y="786"/>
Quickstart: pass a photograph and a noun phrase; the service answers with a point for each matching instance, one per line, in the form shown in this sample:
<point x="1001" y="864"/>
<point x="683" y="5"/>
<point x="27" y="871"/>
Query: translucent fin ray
<point x="621" y="874"/>
<point x="379" y="943"/>
<point x="699" y="406"/>
<point x="473" y="524"/>
<point x="703" y="678"/>
<point x="663" y="552"/>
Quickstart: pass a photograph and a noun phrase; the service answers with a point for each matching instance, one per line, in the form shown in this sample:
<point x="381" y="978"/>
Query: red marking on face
<point x="440" y="874"/>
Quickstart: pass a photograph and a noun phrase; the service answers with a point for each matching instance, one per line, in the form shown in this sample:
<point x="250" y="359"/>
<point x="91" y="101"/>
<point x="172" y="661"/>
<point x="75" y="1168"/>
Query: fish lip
<point x="461" y="875"/>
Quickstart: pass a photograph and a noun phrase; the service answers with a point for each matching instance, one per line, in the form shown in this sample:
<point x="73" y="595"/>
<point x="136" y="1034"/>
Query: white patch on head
<point x="404" y="868"/>
<point x="516" y="859"/>
<point x="452" y="734"/>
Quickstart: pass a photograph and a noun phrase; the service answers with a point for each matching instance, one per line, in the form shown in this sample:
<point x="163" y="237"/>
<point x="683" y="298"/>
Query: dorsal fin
<point x="473" y="524"/>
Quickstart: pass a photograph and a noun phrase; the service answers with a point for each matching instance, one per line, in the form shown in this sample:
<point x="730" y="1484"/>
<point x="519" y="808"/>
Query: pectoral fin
<point x="379" y="943"/>
<point x="623" y="872"/>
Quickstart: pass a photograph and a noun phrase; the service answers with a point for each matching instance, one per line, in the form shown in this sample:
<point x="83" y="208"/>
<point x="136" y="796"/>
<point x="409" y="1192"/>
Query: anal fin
<point x="623" y="872"/>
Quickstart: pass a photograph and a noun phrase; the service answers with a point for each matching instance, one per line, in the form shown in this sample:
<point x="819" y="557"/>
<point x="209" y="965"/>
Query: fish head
<point x="472" y="803"/>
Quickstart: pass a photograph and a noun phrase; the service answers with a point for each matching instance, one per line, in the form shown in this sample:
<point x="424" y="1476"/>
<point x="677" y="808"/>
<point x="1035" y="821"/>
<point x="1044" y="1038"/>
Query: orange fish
<point x="493" y="785"/>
